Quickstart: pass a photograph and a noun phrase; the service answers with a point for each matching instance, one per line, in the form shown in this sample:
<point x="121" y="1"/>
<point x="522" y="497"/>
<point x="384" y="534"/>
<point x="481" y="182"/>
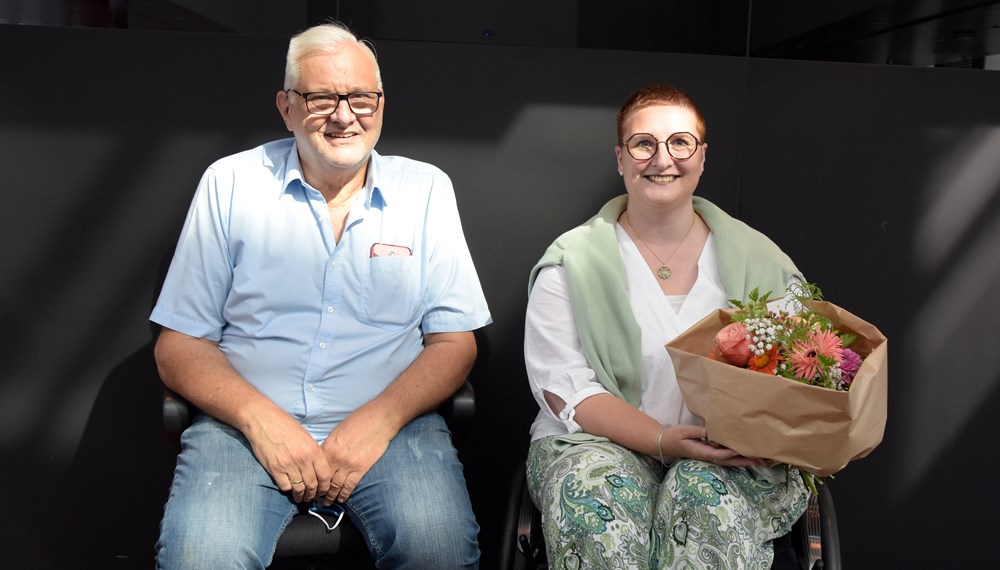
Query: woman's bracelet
<point x="659" y="445"/>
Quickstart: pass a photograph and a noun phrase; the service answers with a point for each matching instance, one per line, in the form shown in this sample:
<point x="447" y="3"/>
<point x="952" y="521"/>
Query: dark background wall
<point x="881" y="182"/>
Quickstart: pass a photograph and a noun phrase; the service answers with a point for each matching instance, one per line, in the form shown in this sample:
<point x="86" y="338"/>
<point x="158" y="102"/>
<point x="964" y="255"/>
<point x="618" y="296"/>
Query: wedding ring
<point x="295" y="482"/>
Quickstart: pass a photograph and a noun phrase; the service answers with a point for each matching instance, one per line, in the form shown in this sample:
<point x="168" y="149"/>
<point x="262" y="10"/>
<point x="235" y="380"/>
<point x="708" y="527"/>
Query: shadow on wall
<point x="951" y="358"/>
<point x="123" y="466"/>
<point x="121" y="474"/>
<point x="884" y="187"/>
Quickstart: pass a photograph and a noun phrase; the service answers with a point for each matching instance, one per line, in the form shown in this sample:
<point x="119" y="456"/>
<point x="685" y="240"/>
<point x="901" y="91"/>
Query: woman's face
<point x="662" y="179"/>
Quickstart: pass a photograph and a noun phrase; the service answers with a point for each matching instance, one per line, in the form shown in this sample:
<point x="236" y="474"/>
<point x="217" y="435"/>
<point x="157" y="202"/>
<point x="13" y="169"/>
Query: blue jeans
<point x="224" y="511"/>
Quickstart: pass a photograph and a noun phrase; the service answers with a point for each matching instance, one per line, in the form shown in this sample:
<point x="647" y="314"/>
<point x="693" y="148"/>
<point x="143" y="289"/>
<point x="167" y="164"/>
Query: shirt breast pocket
<point x="391" y="292"/>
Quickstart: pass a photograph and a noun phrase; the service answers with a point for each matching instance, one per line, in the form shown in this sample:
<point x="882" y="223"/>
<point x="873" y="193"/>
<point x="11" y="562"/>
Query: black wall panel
<point x="883" y="183"/>
<point x="880" y="182"/>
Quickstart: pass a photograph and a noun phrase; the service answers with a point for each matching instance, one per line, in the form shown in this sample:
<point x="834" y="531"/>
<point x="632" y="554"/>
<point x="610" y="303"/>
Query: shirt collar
<point x="373" y="189"/>
<point x="293" y="170"/>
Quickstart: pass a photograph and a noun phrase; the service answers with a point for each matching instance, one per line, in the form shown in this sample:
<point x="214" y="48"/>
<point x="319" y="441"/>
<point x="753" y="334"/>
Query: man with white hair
<point x="318" y="308"/>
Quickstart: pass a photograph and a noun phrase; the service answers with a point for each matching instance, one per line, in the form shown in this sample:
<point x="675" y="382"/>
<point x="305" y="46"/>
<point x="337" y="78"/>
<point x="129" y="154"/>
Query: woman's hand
<point x="691" y="442"/>
<point x="622" y="423"/>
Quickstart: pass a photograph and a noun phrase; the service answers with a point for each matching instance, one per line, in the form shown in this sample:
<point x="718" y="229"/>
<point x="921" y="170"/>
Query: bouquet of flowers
<point x="805" y="385"/>
<point x="804" y="346"/>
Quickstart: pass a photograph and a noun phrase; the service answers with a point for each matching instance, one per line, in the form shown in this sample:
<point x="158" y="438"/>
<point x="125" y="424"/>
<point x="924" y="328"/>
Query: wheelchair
<point x="815" y="540"/>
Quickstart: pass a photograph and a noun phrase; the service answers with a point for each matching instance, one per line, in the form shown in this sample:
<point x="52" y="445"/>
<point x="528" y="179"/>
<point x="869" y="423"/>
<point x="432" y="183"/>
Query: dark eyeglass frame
<point x="310" y="96"/>
<point x="628" y="148"/>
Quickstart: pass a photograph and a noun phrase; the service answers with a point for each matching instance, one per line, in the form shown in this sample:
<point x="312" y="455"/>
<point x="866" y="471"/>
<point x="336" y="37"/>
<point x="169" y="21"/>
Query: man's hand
<point x="196" y="369"/>
<point x="352" y="448"/>
<point x="290" y="455"/>
<point x="362" y="438"/>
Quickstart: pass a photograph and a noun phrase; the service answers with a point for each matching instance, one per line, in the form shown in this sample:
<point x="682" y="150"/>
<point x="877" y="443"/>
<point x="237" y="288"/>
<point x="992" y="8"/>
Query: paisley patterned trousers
<point x="605" y="506"/>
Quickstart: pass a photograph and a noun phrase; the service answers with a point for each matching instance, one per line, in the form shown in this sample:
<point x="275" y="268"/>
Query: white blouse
<point x="554" y="356"/>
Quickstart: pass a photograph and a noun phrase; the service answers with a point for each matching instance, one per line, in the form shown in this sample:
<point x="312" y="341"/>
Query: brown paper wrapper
<point x="818" y="430"/>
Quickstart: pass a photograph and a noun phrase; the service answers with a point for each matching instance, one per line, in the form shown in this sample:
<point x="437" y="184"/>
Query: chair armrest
<point x="178" y="414"/>
<point x="459" y="410"/>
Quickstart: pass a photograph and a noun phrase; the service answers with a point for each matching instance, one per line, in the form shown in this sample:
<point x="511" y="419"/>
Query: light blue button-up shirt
<point x="320" y="327"/>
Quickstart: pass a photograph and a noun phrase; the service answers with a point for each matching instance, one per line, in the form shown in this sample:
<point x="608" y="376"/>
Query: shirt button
<point x="329" y="309"/>
<point x="333" y="264"/>
<point x="312" y="388"/>
<point x="322" y="345"/>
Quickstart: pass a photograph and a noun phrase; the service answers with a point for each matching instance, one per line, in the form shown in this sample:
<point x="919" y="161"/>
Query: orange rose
<point x="732" y="345"/>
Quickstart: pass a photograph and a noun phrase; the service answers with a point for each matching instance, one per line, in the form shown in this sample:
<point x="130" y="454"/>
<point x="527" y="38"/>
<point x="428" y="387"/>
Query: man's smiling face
<point x="343" y="140"/>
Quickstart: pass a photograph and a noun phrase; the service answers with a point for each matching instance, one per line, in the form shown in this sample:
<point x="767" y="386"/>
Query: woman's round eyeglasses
<point x="643" y="146"/>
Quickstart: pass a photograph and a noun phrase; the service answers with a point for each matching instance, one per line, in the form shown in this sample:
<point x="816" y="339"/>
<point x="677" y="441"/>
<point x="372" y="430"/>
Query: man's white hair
<point x="325" y="38"/>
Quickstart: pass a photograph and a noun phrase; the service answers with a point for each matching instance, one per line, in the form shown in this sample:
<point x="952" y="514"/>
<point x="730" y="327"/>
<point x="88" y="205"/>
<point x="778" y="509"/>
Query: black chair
<point x="815" y="540"/>
<point x="306" y="543"/>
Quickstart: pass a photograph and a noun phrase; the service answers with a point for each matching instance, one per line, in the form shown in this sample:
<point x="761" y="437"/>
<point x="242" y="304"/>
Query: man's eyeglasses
<point x="326" y="102"/>
<point x="334" y="511"/>
<point x="643" y="146"/>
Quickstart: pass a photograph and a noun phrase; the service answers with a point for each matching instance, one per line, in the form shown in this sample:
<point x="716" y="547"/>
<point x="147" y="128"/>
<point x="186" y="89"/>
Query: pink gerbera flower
<point x="805" y="356"/>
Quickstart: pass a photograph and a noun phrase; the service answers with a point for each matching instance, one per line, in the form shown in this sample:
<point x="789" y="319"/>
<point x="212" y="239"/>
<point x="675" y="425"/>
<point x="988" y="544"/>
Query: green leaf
<point x="847" y="339"/>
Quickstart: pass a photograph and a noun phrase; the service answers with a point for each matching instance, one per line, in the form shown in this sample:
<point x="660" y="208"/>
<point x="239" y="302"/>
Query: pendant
<point x="663" y="272"/>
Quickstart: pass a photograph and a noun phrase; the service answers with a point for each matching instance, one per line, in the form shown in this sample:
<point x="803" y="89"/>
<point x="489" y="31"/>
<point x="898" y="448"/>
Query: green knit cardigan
<point x="608" y="331"/>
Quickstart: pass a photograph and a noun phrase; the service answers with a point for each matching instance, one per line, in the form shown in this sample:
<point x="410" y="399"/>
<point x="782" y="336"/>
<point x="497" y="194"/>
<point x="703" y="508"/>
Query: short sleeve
<point x="198" y="282"/>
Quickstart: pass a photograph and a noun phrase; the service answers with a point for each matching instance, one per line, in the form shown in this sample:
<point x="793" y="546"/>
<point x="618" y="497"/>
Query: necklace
<point x="664" y="271"/>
